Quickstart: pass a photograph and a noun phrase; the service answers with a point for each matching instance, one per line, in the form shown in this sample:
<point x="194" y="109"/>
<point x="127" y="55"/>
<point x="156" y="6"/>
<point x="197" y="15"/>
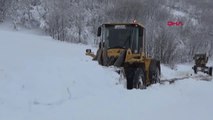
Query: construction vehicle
<point x="200" y="64"/>
<point x="123" y="45"/>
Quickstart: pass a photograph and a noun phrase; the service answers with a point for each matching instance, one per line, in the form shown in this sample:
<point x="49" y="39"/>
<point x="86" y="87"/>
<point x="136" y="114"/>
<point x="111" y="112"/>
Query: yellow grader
<point x="123" y="45"/>
<point x="200" y="64"/>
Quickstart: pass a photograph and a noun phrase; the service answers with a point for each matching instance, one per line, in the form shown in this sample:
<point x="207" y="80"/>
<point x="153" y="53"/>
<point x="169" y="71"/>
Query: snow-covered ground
<point x="45" y="79"/>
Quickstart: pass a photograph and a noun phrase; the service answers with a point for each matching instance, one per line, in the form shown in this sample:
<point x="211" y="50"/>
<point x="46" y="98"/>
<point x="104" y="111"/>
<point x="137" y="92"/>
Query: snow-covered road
<point x="45" y="79"/>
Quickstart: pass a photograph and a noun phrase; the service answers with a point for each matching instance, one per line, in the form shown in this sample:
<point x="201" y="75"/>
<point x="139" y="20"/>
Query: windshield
<point x="121" y="36"/>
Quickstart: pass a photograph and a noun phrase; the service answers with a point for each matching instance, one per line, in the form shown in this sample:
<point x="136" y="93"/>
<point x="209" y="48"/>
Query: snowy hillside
<point x="44" y="79"/>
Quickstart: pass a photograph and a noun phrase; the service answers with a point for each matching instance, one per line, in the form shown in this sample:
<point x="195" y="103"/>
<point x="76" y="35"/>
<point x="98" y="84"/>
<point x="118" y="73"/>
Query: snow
<point x="45" y="79"/>
<point x="178" y="13"/>
<point x="178" y="71"/>
<point x="182" y="14"/>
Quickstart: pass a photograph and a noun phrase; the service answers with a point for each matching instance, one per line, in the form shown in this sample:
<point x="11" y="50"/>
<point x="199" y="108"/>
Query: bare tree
<point x="4" y="5"/>
<point x="74" y="21"/>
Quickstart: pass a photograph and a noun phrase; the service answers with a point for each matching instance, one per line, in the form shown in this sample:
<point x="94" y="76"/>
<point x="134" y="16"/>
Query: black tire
<point x="154" y="72"/>
<point x="210" y="71"/>
<point x="105" y="58"/>
<point x="156" y="76"/>
<point x="129" y="73"/>
<point x="139" y="80"/>
<point x="129" y="84"/>
<point x="195" y="69"/>
<point x="99" y="57"/>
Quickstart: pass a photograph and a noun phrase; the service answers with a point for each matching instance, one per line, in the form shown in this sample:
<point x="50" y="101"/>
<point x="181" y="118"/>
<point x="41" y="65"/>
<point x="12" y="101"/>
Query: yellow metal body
<point x="132" y="58"/>
<point x="114" y="52"/>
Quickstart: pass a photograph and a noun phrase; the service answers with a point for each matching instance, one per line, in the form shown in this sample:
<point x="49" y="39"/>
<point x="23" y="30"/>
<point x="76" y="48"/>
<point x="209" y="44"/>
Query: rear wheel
<point x="195" y="69"/>
<point x="154" y="72"/>
<point x="156" y="76"/>
<point x="210" y="71"/>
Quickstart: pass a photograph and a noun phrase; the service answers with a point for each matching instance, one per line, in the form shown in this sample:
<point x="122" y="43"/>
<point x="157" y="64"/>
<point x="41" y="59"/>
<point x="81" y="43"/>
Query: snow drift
<point x="45" y="79"/>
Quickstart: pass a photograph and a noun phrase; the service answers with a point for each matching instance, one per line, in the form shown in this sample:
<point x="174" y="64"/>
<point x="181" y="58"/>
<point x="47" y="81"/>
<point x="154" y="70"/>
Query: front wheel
<point x="129" y="73"/>
<point x="139" y="81"/>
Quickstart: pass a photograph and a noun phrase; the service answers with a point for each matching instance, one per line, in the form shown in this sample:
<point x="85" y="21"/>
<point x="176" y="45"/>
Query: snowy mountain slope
<point x="44" y="79"/>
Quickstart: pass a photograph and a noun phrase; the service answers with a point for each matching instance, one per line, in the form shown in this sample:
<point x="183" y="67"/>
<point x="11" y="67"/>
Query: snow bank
<point x="44" y="79"/>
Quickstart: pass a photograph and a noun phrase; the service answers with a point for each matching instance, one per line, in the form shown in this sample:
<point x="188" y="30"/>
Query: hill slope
<point x="44" y="79"/>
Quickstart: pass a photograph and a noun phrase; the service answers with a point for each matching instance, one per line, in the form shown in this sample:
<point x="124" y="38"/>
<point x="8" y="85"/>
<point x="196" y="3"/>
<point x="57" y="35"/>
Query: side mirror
<point x="88" y="51"/>
<point x="99" y="32"/>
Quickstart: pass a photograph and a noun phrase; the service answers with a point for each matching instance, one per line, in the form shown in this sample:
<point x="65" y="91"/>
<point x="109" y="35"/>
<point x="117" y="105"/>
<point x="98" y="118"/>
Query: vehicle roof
<point x="141" y="25"/>
<point x="200" y="54"/>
